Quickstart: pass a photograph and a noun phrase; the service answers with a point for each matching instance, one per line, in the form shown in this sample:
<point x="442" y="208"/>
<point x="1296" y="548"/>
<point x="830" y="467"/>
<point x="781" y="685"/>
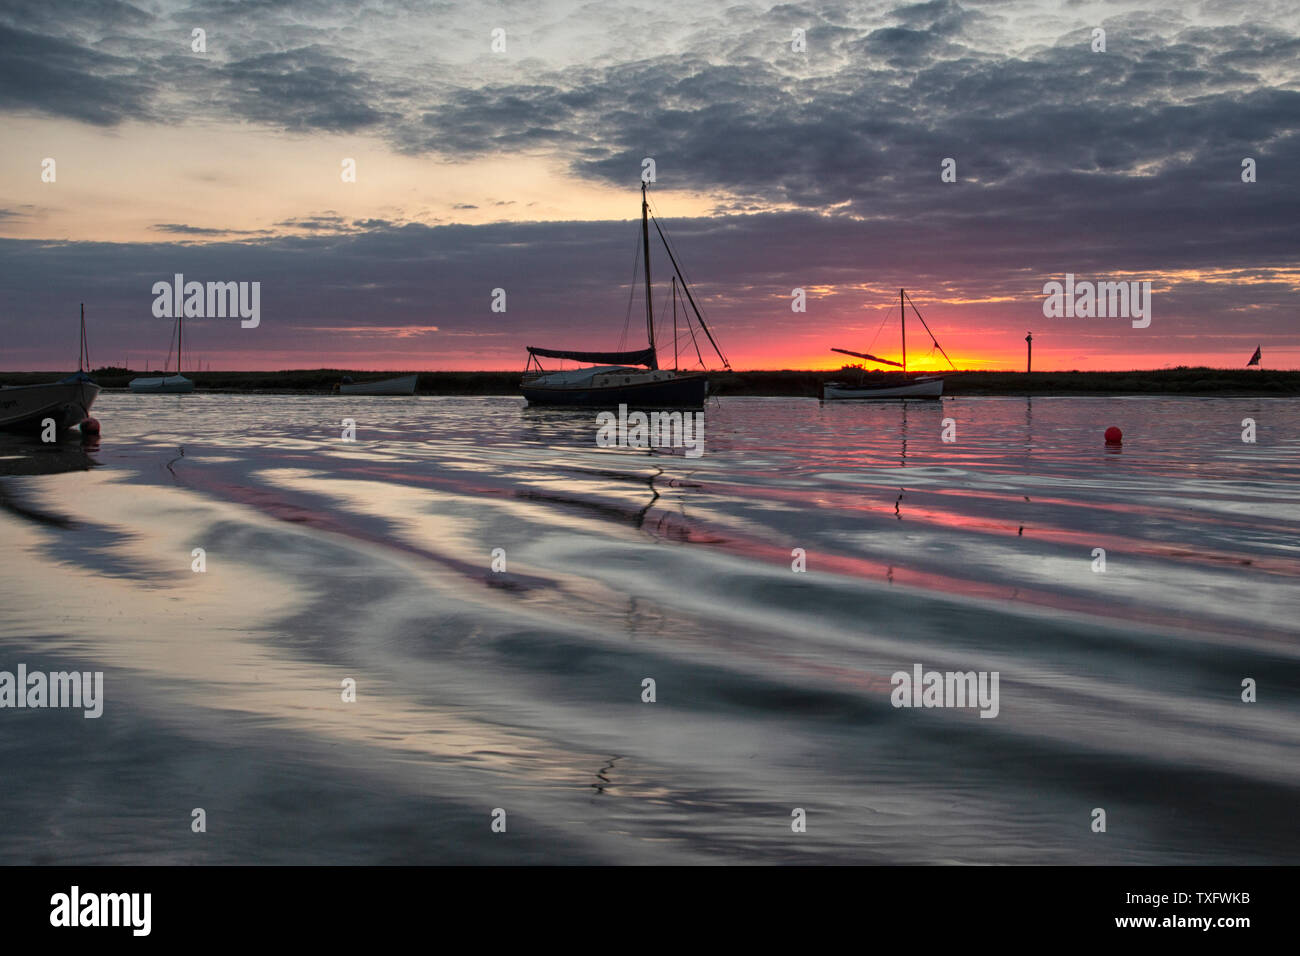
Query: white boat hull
<point x="27" y="407"/>
<point x="169" y="385"/>
<point x="919" y="388"/>
<point x="389" y="386"/>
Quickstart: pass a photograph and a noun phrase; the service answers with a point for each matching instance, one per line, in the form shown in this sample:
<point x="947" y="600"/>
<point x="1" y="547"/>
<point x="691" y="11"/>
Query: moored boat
<point x="166" y="384"/>
<point x="65" y="402"/>
<point x="170" y="384"/>
<point x="880" y="385"/>
<point x="631" y="378"/>
<point x="919" y="387"/>
<point x="27" y="407"/>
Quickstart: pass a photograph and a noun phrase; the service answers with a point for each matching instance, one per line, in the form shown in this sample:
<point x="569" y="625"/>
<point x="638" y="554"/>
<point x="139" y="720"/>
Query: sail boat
<point x="176" y="384"/>
<point x="920" y="386"/>
<point x="634" y="377"/>
<point x="67" y="402"/>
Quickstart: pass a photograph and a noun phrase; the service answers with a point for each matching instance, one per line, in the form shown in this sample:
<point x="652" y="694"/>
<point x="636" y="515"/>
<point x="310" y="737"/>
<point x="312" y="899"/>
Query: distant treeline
<point x="1175" y="381"/>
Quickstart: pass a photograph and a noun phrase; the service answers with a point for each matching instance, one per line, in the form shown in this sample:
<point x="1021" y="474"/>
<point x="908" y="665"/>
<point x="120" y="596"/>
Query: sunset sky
<point x="776" y="169"/>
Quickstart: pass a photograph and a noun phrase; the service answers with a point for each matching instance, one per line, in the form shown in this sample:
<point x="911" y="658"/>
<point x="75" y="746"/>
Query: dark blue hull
<point x="685" y="392"/>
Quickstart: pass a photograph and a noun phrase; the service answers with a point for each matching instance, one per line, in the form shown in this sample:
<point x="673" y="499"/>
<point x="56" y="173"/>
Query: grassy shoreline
<point x="1178" y="381"/>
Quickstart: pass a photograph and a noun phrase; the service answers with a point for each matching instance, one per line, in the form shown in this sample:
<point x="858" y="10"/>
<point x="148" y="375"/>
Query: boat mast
<point x="82" y="355"/>
<point x="675" y="323"/>
<point x="180" y="339"/>
<point x="902" y="314"/>
<point x="645" y="247"/>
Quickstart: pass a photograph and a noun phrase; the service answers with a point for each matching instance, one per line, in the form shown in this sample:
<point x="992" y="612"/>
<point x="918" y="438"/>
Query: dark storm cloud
<point x="859" y="122"/>
<point x="862" y="137"/>
<point x="500" y="119"/>
<point x="744" y="268"/>
<point x="59" y="17"/>
<point x="44" y="74"/>
<point x="1067" y="160"/>
<point x="104" y="62"/>
<point x="301" y="89"/>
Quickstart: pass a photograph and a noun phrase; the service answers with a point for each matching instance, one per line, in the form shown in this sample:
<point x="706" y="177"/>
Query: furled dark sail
<point x="864" y="355"/>
<point x="644" y="357"/>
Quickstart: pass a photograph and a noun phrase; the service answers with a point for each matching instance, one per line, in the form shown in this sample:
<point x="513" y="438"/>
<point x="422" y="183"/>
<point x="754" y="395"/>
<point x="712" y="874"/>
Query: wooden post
<point x="1029" y="357"/>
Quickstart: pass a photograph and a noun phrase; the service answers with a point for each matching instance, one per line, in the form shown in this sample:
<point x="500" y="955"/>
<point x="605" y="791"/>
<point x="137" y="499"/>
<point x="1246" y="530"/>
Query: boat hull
<point x="680" y="392"/>
<point x="27" y="407"/>
<point x="391" y="386"/>
<point x="920" y="388"/>
<point x="171" y="385"/>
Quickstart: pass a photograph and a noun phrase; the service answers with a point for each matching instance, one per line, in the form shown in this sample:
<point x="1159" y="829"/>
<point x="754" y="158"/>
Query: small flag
<point x="1254" y="359"/>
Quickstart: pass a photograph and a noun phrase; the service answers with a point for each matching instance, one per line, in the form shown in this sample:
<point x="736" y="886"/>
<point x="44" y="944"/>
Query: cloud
<point x="44" y="74"/>
<point x="824" y="166"/>
<point x="331" y="222"/>
<point x="856" y="125"/>
<point x="181" y="229"/>
<point x="373" y="331"/>
<point x="405" y="281"/>
<point x="301" y="89"/>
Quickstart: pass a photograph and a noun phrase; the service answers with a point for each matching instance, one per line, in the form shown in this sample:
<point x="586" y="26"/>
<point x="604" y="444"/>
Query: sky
<point x="795" y="146"/>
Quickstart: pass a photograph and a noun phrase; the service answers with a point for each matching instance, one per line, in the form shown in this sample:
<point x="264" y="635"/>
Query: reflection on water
<point x="500" y="589"/>
<point x="24" y="454"/>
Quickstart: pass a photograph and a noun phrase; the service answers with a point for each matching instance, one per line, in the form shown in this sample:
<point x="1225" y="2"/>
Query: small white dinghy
<point x="172" y="384"/>
<point x="930" y="386"/>
<point x="166" y="384"/>
<point x="918" y="386"/>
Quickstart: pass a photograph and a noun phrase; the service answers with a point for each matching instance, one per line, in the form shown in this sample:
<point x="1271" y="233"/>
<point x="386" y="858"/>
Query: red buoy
<point x="1114" y="436"/>
<point x="90" y="426"/>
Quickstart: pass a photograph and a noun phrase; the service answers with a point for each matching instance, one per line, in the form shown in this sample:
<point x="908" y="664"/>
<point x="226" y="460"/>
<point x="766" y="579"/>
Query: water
<point x="476" y="690"/>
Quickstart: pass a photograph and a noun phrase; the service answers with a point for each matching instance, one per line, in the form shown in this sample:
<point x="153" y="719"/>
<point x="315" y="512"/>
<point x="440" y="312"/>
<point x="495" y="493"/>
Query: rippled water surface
<point x="522" y="689"/>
